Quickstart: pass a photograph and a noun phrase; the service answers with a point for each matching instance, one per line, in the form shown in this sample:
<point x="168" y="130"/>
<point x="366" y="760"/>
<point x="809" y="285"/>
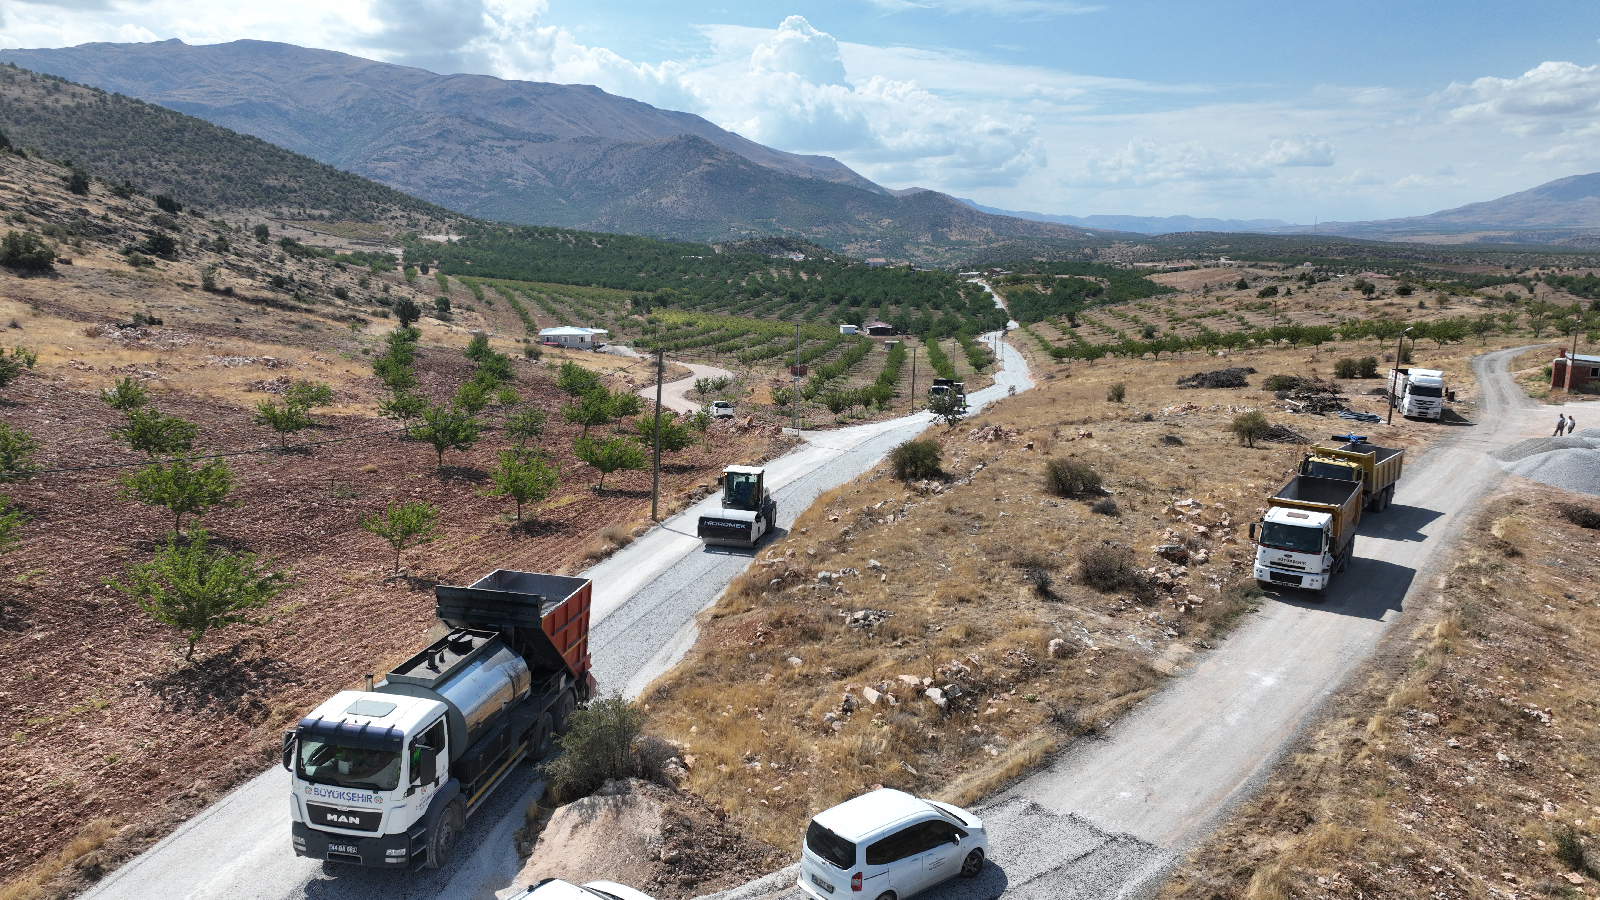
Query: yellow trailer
<point x="1377" y="468"/>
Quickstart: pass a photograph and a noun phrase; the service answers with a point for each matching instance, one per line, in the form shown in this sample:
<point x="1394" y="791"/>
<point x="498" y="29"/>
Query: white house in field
<point x="573" y="336"/>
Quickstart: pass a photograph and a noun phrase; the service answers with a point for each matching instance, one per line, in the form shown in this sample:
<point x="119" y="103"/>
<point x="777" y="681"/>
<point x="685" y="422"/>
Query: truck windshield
<point x="376" y="770"/>
<point x="1426" y="390"/>
<point x="1294" y="538"/>
<point x="741" y="487"/>
<point x="835" y="850"/>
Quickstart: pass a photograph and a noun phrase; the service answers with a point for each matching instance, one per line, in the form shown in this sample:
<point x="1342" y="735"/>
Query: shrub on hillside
<point x="1282" y="382"/>
<point x="603" y="742"/>
<point x="1249" y="427"/>
<point x="27" y="252"/>
<point x="1068" y="477"/>
<point x="1367" y="367"/>
<point x="1346" y="367"/>
<point x="1117" y="392"/>
<point x="1106" y="507"/>
<point x="915" y="460"/>
<point x="1109" y="567"/>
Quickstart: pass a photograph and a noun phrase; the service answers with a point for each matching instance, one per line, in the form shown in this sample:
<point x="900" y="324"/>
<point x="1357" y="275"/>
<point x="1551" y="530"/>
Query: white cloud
<point x="1145" y="162"/>
<point x="1015" y="8"/>
<point x="1552" y="90"/>
<point x="801" y="50"/>
<point x="1300" y="150"/>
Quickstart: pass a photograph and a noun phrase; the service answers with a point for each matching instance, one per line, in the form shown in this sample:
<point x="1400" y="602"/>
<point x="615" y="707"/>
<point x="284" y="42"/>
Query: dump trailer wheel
<point x="562" y="712"/>
<point x="544" y="737"/>
<point x="443" y="836"/>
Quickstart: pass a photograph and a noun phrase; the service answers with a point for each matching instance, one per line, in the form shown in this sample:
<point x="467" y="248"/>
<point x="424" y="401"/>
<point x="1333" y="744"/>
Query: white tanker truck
<point x="387" y="776"/>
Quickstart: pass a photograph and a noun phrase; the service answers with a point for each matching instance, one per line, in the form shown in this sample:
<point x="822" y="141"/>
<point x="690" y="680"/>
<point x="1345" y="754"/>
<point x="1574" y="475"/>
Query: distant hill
<point x="533" y="153"/>
<point x="1561" y="212"/>
<point x="161" y="151"/>
<point x="1141" y="224"/>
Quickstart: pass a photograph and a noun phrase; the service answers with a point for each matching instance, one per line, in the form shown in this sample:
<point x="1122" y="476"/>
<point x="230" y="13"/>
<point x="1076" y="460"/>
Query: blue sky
<point x="1234" y="109"/>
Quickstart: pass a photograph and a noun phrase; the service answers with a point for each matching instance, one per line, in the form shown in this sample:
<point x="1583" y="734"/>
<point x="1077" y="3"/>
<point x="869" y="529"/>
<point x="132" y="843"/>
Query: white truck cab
<point x="1295" y="547"/>
<point x="365" y="768"/>
<point x="1417" y="393"/>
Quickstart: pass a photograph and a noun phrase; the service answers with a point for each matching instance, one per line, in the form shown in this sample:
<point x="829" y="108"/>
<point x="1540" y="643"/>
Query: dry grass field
<point x="1463" y="764"/>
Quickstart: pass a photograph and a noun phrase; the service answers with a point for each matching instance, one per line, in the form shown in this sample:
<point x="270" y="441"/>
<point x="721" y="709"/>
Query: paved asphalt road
<point x="1110" y="817"/>
<point x="674" y="394"/>
<point x="646" y="597"/>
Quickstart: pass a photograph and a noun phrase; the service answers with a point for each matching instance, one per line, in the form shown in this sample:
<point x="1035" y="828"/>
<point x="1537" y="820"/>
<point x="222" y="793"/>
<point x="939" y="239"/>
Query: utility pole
<point x="913" y="378"/>
<point x="794" y="381"/>
<point x="655" y="478"/>
<point x="1394" y="395"/>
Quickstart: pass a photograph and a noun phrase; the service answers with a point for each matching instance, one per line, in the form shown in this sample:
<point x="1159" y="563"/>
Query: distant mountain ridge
<point x="1141" y="224"/>
<point x="534" y="153"/>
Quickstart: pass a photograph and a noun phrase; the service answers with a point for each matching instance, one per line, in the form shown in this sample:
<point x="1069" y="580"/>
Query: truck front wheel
<point x="444" y="834"/>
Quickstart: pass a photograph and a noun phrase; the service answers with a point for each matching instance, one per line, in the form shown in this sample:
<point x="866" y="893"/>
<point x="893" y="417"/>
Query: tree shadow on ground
<point x="533" y="527"/>
<point x="238" y="680"/>
<point x="462" y="473"/>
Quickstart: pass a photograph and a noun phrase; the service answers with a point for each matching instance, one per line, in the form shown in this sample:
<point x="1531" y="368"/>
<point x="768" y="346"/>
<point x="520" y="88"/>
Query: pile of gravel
<point x="1570" y="462"/>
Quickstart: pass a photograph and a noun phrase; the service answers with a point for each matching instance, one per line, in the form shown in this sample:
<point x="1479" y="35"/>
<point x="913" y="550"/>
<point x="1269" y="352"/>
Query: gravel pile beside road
<point x="1570" y="462"/>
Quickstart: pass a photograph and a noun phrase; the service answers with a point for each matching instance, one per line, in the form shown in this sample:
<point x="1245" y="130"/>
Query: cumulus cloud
<point x="1300" y="150"/>
<point x="801" y="50"/>
<point x="1020" y="8"/>
<point x="1144" y="161"/>
<point x="1552" y="91"/>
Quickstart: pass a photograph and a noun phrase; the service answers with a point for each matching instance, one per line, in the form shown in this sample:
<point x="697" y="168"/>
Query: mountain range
<point x="535" y="153"/>
<point x="1140" y="224"/>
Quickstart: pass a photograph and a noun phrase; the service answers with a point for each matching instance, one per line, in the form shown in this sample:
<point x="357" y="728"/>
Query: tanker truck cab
<point x="366" y="769"/>
<point x="1294" y="548"/>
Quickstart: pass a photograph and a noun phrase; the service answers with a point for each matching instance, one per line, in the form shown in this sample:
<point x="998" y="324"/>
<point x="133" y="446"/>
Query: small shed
<point x="879" y="329"/>
<point x="847" y="329"/>
<point x="1574" y="372"/>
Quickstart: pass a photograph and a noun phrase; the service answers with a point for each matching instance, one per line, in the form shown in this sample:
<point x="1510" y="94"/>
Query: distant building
<point x="1574" y="372"/>
<point x="1373" y="275"/>
<point x="572" y="336"/>
<point x="847" y="329"/>
<point x="1306" y="265"/>
<point x="877" y="262"/>
<point x="879" y="329"/>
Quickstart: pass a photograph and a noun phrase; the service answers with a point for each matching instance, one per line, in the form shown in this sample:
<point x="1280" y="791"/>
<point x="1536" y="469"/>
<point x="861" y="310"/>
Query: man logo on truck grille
<point x="354" y="819"/>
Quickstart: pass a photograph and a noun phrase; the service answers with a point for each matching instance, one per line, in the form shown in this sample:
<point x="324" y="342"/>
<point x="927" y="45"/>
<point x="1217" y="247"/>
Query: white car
<point x="556" y="889"/>
<point x="721" y="409"/>
<point x="889" y="845"/>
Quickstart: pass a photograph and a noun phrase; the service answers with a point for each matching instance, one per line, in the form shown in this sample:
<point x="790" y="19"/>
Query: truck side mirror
<point x="1252" y="531"/>
<point x="427" y="766"/>
<point x="288" y="750"/>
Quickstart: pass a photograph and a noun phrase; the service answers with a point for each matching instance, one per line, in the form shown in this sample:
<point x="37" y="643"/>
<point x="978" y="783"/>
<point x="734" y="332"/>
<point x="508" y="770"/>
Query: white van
<point x="889" y="845"/>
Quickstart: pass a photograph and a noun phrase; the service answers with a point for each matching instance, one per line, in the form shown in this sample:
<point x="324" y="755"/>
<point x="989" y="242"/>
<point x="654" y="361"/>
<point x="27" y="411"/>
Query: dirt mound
<point x="1222" y="378"/>
<point x="667" y="843"/>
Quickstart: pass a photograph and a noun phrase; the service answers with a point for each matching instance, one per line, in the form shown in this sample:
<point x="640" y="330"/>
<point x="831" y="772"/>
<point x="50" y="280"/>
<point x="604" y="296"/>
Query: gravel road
<point x="1111" y="816"/>
<point x="645" y="599"/>
<point x="674" y="394"/>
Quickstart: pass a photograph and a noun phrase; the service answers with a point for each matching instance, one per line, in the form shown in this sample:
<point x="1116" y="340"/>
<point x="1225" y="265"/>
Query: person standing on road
<point x="1572" y="422"/>
<point x="1561" y="424"/>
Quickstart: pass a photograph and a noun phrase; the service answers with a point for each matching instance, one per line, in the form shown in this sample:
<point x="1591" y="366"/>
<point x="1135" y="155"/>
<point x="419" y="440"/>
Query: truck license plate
<point x="822" y="884"/>
<point x="344" y="848"/>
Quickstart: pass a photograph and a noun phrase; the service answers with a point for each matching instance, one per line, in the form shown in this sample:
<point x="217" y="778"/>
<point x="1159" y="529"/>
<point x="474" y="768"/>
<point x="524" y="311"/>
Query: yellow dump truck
<point x="1377" y="468"/>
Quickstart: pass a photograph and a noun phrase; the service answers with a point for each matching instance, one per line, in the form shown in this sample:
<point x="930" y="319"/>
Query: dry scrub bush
<point x="1581" y="516"/>
<point x="1109" y="567"/>
<point x="1106" y="507"/>
<point x="916" y="460"/>
<point x="603" y="743"/>
<point x="1067" y="477"/>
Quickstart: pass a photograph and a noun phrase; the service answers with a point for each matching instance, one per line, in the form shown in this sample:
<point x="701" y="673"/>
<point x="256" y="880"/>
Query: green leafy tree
<point x="403" y="407"/>
<point x="78" y="181"/>
<point x="526" y="426"/>
<point x="507" y="397"/>
<point x="410" y="273"/>
<point x="610" y="455"/>
<point x="193" y="588"/>
<point x="294" y="415"/>
<point x="494" y="369"/>
<point x="675" y="436"/>
<point x="404" y="524"/>
<point x="575" y="380"/>
<point x="626" y="403"/>
<point x="477" y="347"/>
<point x="407" y="311"/>
<point x="181" y="486"/>
<point x="148" y="431"/>
<point x="26" y="252"/>
<point x="17" y="448"/>
<point x="1250" y="427"/>
<point x="308" y="394"/>
<point x="263" y="233"/>
<point x="591" y="409"/>
<point x="447" y="427"/>
<point x="947" y="408"/>
<point x="837" y="401"/>
<point x="12" y="366"/>
<point x="11" y="522"/>
<point x="525" y="478"/>
<point x="472" y="397"/>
